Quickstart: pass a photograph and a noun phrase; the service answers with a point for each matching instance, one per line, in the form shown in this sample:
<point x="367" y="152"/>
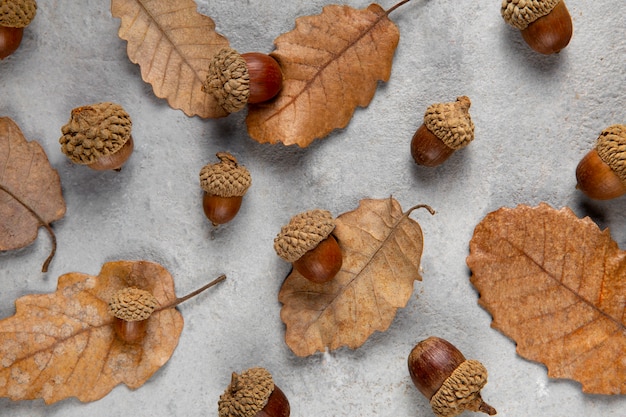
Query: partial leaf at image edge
<point x="556" y="285"/>
<point x="30" y="190"/>
<point x="382" y="248"/>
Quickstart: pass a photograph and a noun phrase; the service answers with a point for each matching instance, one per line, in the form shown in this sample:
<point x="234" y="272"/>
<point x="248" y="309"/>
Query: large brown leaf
<point x="381" y="249"/>
<point x="63" y="345"/>
<point x="30" y="189"/>
<point x="556" y="285"/>
<point x="173" y="44"/>
<point x="331" y="63"/>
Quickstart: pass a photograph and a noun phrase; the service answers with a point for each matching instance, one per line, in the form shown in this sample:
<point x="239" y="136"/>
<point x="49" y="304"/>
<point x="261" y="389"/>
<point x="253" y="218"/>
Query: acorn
<point x="99" y="136"/>
<point x="447" y="127"/>
<point x="443" y="375"/>
<point x="546" y="25"/>
<point x="601" y="174"/>
<point x="131" y="308"/>
<point x="307" y="242"/>
<point x="15" y="15"/>
<point x="238" y="79"/>
<point x="224" y="184"/>
<point x="253" y="394"/>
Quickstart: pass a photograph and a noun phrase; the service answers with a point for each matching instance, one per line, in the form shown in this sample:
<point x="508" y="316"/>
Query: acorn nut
<point x="224" y="184"/>
<point x="238" y="79"/>
<point x="131" y="308"/>
<point x="15" y="15"/>
<point x="308" y="243"/>
<point x="447" y="127"/>
<point x="253" y="394"/>
<point x="443" y="375"/>
<point x="601" y="174"/>
<point x="546" y="25"/>
<point x="98" y="136"/>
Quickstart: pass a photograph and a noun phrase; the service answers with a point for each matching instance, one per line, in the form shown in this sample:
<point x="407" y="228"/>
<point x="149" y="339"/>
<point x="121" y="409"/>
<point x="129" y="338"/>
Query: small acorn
<point x="15" y="15"/>
<point x="447" y="127"/>
<point x="308" y="243"/>
<point x="443" y="375"/>
<point x="601" y="174"/>
<point x="224" y="184"/>
<point x="546" y="25"/>
<point x="131" y="308"/>
<point x="99" y="136"/>
<point x="253" y="394"/>
<point x="238" y="79"/>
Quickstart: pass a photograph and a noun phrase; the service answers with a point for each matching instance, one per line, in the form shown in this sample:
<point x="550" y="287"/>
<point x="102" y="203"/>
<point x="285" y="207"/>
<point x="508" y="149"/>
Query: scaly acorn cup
<point x="15" y="15"/>
<point x="447" y="127"/>
<point x="253" y="394"/>
<point x="238" y="79"/>
<point x="99" y="136"/>
<point x="443" y="375"/>
<point x="224" y="184"/>
<point x="307" y="242"/>
<point x="546" y="25"/>
<point x="601" y="174"/>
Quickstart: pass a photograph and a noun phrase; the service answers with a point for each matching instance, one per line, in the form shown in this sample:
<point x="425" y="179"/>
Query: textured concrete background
<point x="535" y="117"/>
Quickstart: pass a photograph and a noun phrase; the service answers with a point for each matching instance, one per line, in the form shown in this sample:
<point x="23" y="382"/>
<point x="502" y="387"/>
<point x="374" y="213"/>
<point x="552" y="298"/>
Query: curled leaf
<point x="382" y="248"/>
<point x="556" y="285"/>
<point x="63" y="344"/>
<point x="331" y="64"/>
<point x="173" y="44"/>
<point x="30" y="190"/>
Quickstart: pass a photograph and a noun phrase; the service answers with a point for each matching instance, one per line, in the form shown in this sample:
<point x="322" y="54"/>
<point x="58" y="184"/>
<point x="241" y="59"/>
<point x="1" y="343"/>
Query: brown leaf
<point x="331" y="63"/>
<point x="556" y="285"/>
<point x="63" y="345"/>
<point x="30" y="189"/>
<point x="381" y="248"/>
<point x="173" y="44"/>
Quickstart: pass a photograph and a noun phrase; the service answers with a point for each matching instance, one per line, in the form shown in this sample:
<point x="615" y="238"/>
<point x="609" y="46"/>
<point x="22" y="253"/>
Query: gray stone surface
<point x="535" y="117"/>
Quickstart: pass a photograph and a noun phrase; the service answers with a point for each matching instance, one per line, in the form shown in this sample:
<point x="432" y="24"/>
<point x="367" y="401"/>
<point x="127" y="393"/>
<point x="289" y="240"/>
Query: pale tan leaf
<point x="173" y="44"/>
<point x="331" y="63"/>
<point x="381" y="249"/>
<point x="556" y="285"/>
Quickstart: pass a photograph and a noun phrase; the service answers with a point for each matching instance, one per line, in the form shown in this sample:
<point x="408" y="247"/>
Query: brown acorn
<point x="447" y="127"/>
<point x="15" y="15"/>
<point x="253" y="394"/>
<point x="224" y="184"/>
<point x="308" y="243"/>
<point x="601" y="174"/>
<point x="131" y="308"/>
<point x="238" y="79"/>
<point x="99" y="136"/>
<point x="546" y="25"/>
<point x="443" y="375"/>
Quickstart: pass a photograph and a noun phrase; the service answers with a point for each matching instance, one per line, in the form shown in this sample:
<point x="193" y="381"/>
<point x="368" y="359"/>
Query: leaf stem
<point x="388" y="12"/>
<point x="192" y="294"/>
<point x="42" y="222"/>
<point x="419" y="206"/>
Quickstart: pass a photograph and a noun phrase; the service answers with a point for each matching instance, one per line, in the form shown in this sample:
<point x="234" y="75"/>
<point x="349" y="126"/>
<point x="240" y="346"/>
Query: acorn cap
<point x="451" y="122"/>
<point x="461" y="390"/>
<point x="247" y="393"/>
<point x="94" y="131"/>
<point x="228" y="80"/>
<point x="521" y="13"/>
<point x="611" y="147"/>
<point x="17" y="13"/>
<point x="225" y="178"/>
<point x="303" y="233"/>
<point x="132" y="304"/>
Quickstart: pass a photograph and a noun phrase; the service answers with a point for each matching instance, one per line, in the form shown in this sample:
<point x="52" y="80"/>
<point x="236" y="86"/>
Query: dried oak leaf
<point x="30" y="190"/>
<point x="381" y="249"/>
<point x="556" y="285"/>
<point x="331" y="63"/>
<point x="173" y="44"/>
<point x="63" y="344"/>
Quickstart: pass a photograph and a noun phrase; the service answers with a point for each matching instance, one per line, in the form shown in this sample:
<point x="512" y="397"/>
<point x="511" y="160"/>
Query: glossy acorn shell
<point x="277" y="405"/>
<point x="116" y="160"/>
<point x="220" y="210"/>
<point x="427" y="149"/>
<point x="596" y="179"/>
<point x="131" y="332"/>
<point x="266" y="77"/>
<point x="550" y="33"/>
<point x="10" y="39"/>
<point x="321" y="263"/>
